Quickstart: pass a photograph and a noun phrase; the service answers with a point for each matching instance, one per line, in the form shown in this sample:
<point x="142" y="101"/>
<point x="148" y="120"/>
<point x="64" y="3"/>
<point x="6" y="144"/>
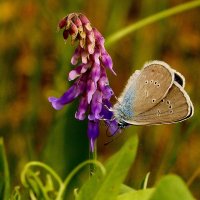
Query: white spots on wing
<point x="158" y="112"/>
<point x="170" y="107"/>
<point x="155" y="82"/>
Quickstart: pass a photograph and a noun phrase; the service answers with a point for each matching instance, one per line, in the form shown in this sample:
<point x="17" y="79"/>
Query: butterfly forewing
<point x="176" y="106"/>
<point x="151" y="86"/>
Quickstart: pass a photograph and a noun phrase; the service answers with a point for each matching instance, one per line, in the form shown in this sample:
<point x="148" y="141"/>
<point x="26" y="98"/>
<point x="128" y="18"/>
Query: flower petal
<point x="84" y="56"/>
<point x="81" y="69"/>
<point x="76" y="56"/>
<point x="83" y="105"/>
<point x="91" y="88"/>
<point x="106" y="113"/>
<point x="62" y="23"/>
<point x="104" y="86"/>
<point x="66" y="98"/>
<point x="55" y="103"/>
<point x="113" y="126"/>
<point x="95" y="72"/>
<point x="107" y="92"/>
<point x="96" y="106"/>
<point x="93" y="132"/>
<point x="77" y="21"/>
<point x="107" y="61"/>
<point x="99" y="38"/>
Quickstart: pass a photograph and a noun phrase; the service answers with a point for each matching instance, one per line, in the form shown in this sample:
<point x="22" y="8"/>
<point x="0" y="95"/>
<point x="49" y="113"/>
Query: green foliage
<point x="116" y="167"/>
<point x="173" y="188"/>
<point x="16" y="194"/>
<point x="4" y="174"/>
<point x="106" y="183"/>
<point x="137" y="195"/>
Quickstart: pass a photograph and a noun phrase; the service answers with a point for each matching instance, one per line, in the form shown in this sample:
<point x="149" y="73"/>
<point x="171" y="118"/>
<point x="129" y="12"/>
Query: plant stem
<point x="71" y="175"/>
<point x="153" y="18"/>
<point x="92" y="156"/>
<point x="193" y="177"/>
<point x="4" y="172"/>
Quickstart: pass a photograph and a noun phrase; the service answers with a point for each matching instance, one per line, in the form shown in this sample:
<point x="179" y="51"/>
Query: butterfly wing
<point x="179" y="78"/>
<point x="175" y="107"/>
<point x="152" y="85"/>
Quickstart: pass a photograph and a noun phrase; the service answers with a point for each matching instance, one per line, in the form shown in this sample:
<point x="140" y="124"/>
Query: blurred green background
<point x="34" y="63"/>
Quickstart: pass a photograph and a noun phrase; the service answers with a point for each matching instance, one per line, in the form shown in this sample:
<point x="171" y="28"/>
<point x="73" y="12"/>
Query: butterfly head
<point x="123" y="124"/>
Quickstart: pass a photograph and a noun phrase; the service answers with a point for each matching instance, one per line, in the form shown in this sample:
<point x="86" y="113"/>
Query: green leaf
<point x="137" y="195"/>
<point x="171" y="187"/>
<point x="4" y="174"/>
<point x="107" y="187"/>
<point x="125" y="189"/>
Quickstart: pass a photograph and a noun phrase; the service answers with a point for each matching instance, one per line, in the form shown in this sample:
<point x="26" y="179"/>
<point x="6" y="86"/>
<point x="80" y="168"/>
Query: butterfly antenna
<point x="114" y="138"/>
<point x="106" y="143"/>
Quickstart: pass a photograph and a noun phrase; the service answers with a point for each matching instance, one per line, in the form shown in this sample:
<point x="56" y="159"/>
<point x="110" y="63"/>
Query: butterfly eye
<point x="162" y="100"/>
<point x="151" y="81"/>
<point x="158" y="85"/>
<point x="168" y="102"/>
<point x="155" y="82"/>
<point x="170" y="107"/>
<point x="146" y="81"/>
<point x="153" y="100"/>
<point x="171" y="111"/>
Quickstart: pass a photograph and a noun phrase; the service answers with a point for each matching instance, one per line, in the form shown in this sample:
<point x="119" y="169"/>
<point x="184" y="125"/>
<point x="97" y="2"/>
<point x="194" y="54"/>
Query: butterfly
<point x="153" y="95"/>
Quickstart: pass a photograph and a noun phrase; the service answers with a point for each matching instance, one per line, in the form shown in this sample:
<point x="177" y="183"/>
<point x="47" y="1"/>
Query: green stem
<point x="193" y="177"/>
<point x="5" y="171"/>
<point x="92" y="156"/>
<point x="149" y="20"/>
<point x="74" y="172"/>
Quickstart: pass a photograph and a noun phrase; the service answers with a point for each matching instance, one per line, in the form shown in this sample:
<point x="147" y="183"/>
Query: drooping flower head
<point x="91" y="85"/>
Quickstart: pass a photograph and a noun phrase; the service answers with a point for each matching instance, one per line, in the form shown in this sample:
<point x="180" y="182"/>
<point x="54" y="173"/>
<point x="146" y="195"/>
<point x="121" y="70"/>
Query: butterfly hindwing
<point x="176" y="106"/>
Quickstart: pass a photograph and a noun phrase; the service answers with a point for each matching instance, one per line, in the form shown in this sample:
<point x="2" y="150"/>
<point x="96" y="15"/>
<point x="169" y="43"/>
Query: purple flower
<point x="92" y="86"/>
<point x="93" y="132"/>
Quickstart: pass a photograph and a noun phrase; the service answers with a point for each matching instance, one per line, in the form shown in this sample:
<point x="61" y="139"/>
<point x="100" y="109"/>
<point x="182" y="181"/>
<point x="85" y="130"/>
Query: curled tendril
<point x="62" y="185"/>
<point x="38" y="164"/>
<point x="35" y="179"/>
<point x="71" y="175"/>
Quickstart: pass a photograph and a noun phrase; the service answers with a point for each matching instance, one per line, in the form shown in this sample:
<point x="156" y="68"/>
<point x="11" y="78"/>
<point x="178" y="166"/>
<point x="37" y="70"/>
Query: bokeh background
<point x="34" y="62"/>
